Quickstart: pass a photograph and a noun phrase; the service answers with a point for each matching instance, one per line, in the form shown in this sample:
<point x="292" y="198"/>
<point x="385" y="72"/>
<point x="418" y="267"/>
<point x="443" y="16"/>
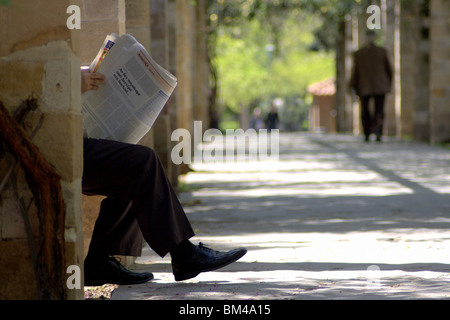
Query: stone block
<point x="49" y="73"/>
<point x="57" y="87"/>
<point x="16" y="89"/>
<point x="64" y="131"/>
<point x="28" y="24"/>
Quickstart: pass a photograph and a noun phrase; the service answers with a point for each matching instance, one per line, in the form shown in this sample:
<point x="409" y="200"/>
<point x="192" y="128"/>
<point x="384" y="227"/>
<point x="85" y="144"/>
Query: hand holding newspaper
<point x="136" y="90"/>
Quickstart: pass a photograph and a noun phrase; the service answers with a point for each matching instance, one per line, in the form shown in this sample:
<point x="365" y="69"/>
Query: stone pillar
<point x="39" y="59"/>
<point x="415" y="115"/>
<point x="172" y="45"/>
<point x="355" y="36"/>
<point x="98" y="19"/>
<point x="440" y="71"/>
<point x="344" y="63"/>
<point x="201" y="92"/>
<point x="185" y="27"/>
<point x="137" y="23"/>
<point x="422" y="75"/>
<point x="160" y="52"/>
<point x="392" y="43"/>
<point x="408" y="68"/>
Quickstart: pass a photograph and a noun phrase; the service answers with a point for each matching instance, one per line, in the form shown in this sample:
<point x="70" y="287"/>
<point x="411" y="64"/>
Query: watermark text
<point x="233" y="146"/>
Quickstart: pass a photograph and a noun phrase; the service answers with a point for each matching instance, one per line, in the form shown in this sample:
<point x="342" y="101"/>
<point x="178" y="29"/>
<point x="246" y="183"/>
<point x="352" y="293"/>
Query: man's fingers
<point x="95" y="77"/>
<point x="91" y="81"/>
<point x="100" y="78"/>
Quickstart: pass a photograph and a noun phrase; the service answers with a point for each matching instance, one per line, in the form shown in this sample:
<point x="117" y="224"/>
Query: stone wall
<point x="39" y="58"/>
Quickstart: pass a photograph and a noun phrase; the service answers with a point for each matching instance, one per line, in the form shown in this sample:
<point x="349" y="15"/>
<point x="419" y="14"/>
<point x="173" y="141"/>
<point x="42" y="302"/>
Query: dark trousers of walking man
<point x="372" y="122"/>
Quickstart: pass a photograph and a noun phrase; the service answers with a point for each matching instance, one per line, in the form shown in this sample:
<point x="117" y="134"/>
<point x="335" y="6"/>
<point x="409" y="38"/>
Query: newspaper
<point x="136" y="90"/>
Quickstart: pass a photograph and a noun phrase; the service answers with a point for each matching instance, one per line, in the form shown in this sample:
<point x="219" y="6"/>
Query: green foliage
<point x="249" y="71"/>
<point x="242" y="69"/>
<point x="298" y="65"/>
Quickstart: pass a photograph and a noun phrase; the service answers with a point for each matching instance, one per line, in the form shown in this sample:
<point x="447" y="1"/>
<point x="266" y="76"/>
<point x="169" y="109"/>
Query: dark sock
<point x="183" y="251"/>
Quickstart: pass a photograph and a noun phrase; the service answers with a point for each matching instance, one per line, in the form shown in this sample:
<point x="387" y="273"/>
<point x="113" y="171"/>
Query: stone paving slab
<point x="334" y="218"/>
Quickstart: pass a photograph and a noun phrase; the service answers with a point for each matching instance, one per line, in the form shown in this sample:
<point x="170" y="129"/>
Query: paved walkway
<point x="335" y="218"/>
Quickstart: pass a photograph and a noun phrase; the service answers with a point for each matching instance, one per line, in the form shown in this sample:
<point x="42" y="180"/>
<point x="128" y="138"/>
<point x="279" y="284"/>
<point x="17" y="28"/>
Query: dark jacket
<point x="372" y="71"/>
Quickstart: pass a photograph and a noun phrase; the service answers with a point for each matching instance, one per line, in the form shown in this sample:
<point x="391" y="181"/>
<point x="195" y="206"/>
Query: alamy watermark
<point x="74" y="20"/>
<point x="374" y="21"/>
<point x="74" y="278"/>
<point x="235" y="145"/>
<point x="373" y="276"/>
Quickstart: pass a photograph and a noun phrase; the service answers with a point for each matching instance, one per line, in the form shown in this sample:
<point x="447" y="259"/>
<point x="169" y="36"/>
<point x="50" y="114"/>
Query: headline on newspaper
<point x="135" y="92"/>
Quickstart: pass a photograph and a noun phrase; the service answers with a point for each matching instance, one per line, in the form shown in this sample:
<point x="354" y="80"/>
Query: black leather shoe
<point x="112" y="272"/>
<point x="205" y="259"/>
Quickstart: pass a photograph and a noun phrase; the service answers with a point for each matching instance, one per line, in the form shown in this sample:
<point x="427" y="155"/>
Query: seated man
<point x="140" y="204"/>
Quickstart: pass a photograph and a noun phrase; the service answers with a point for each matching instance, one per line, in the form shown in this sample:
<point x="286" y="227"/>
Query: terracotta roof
<point x="323" y="88"/>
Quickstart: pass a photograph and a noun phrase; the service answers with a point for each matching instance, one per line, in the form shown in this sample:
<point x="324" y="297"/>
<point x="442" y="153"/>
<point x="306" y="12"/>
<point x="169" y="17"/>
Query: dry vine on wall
<point x="44" y="183"/>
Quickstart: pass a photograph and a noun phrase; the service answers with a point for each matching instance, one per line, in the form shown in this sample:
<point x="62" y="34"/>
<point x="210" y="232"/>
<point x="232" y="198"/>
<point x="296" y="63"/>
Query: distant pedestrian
<point x="256" y="121"/>
<point x="272" y="119"/>
<point x="371" y="78"/>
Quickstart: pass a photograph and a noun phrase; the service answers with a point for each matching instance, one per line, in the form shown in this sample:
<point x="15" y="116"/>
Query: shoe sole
<point x="193" y="274"/>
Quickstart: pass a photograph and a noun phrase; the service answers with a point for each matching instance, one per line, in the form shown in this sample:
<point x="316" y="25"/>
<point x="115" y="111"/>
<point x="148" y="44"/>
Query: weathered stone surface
<point x="12" y="225"/>
<point x="13" y="89"/>
<point x="60" y="141"/>
<point x="28" y="24"/>
<point x="98" y="19"/>
<point x="17" y="276"/>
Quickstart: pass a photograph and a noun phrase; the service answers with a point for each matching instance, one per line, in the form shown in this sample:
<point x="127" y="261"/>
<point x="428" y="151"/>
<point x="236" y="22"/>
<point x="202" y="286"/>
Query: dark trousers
<point x="140" y="202"/>
<point x="372" y="123"/>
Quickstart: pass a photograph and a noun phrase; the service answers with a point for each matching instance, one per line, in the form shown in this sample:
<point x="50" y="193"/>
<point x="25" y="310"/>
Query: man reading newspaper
<point x="140" y="204"/>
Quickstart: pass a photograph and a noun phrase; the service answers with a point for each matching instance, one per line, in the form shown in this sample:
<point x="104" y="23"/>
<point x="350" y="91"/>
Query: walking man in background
<point x="371" y="78"/>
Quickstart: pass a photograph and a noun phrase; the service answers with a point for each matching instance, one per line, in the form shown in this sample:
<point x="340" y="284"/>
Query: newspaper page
<point x="136" y="90"/>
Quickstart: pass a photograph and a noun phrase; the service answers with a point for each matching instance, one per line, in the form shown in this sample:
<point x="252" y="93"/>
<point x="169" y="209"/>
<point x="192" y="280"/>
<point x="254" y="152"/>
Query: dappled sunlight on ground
<point x="335" y="218"/>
